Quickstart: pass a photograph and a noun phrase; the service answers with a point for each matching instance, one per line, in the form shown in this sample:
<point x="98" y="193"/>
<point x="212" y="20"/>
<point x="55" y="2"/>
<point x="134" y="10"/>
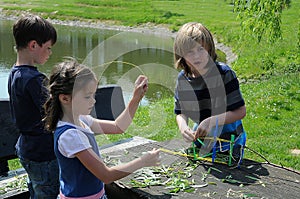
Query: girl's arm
<point x="125" y="118"/>
<point x="182" y="123"/>
<point x="109" y="174"/>
<point x="224" y="118"/>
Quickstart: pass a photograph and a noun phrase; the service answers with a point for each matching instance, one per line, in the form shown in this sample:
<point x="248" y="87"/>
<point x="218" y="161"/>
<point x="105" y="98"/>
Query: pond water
<point x="116" y="57"/>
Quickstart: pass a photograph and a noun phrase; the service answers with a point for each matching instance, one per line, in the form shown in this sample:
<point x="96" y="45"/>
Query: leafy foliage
<point x="175" y="178"/>
<point x="18" y="183"/>
<point x="261" y="17"/>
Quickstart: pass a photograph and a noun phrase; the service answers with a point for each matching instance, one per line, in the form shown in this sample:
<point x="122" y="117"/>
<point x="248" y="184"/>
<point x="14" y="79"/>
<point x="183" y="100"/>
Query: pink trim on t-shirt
<point x="95" y="196"/>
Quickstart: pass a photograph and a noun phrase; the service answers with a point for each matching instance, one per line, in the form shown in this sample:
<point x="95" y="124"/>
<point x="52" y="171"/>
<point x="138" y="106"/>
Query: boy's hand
<point x="203" y="129"/>
<point x="188" y="135"/>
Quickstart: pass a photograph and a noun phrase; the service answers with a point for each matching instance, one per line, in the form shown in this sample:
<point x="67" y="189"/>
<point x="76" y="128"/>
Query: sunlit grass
<point x="272" y="121"/>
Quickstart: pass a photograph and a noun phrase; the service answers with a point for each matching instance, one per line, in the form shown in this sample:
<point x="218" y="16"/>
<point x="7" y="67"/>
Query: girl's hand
<point x="141" y="87"/>
<point x="151" y="158"/>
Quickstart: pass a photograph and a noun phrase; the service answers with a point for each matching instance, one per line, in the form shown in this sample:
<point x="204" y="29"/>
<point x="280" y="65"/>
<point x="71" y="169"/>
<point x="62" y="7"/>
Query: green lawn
<point x="269" y="72"/>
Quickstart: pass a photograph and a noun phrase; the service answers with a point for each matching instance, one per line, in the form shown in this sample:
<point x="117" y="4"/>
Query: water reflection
<point x="3" y="83"/>
<point x="116" y="57"/>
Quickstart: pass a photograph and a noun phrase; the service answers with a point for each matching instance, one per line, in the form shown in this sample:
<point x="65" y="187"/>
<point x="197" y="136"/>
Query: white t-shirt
<point x="73" y="141"/>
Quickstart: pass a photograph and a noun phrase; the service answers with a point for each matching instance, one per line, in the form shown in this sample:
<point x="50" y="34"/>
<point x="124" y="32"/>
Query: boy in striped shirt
<point x="207" y="91"/>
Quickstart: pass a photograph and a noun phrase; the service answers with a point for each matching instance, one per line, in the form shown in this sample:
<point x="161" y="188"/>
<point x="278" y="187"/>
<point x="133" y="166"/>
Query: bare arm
<point x="187" y="133"/>
<point x="109" y="174"/>
<point x="125" y="118"/>
<point x="224" y="118"/>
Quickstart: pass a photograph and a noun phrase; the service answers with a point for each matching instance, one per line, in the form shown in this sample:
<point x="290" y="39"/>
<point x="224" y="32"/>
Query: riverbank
<point x="148" y="28"/>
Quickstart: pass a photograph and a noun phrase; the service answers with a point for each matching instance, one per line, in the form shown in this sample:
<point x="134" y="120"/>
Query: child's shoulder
<point x="28" y="72"/>
<point x="225" y="69"/>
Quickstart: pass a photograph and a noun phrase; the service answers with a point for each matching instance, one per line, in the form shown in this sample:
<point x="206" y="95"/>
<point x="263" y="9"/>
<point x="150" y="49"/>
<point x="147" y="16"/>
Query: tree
<point x="261" y="18"/>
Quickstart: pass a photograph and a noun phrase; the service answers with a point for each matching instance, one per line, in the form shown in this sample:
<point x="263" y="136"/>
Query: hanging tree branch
<point x="261" y="18"/>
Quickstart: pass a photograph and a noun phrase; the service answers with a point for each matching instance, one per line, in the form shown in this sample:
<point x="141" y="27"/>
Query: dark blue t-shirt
<point x="28" y="93"/>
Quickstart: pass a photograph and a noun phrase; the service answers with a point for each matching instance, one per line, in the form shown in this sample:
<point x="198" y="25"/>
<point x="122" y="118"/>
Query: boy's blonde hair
<point x="188" y="36"/>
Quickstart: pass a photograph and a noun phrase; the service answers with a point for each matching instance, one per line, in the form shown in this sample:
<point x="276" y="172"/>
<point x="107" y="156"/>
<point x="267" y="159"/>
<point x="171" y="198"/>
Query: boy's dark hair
<point x="31" y="28"/>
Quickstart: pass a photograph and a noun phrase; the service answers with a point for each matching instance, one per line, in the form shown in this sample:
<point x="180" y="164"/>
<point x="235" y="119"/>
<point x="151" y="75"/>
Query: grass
<point x="124" y="12"/>
<point x="272" y="120"/>
<point x="269" y="72"/>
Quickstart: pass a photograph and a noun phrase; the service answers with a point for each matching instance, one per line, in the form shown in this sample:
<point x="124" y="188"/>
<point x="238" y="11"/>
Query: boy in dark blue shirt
<point x="34" y="38"/>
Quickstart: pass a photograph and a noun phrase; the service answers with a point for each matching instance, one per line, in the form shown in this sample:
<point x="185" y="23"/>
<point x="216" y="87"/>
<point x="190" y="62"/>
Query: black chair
<point x="109" y="102"/>
<point x="8" y="137"/>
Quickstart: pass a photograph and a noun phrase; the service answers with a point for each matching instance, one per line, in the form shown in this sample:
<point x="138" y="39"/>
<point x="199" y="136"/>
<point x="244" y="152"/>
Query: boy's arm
<point x="37" y="91"/>
<point x="225" y="118"/>
<point x="187" y="133"/>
